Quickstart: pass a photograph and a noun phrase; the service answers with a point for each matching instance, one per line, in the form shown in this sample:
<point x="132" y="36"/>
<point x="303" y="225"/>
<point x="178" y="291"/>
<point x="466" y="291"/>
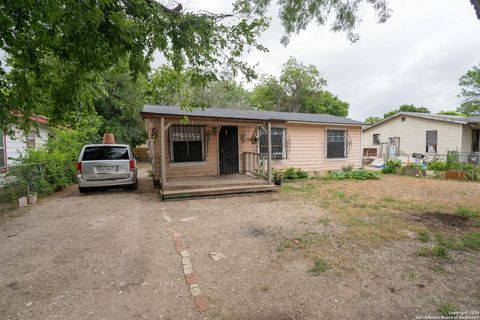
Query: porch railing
<point x="255" y="164"/>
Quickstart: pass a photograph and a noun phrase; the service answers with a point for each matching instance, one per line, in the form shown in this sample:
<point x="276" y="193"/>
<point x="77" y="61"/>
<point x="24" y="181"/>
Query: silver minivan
<point x="106" y="165"/>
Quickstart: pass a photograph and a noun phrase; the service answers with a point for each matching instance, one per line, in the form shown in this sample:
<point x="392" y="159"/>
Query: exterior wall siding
<point x="467" y="139"/>
<point x="412" y="133"/>
<point x="16" y="145"/>
<point x="307" y="148"/>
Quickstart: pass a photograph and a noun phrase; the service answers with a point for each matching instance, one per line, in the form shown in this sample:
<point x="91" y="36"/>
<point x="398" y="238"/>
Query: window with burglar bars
<point x="187" y="143"/>
<point x="279" y="142"/>
<point x="431" y="146"/>
<point x="2" y="151"/>
<point x="376" y="139"/>
<point x="336" y="144"/>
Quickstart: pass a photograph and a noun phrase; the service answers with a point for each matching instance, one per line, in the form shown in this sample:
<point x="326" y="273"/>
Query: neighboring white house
<point x="432" y="135"/>
<point x="12" y="147"/>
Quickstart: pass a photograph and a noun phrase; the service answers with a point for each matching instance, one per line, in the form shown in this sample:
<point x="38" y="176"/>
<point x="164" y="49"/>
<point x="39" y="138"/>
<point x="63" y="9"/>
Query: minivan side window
<point x="105" y="153"/>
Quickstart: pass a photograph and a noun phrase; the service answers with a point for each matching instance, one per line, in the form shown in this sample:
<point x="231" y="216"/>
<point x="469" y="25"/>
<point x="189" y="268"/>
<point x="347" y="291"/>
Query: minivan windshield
<point x="105" y="153"/>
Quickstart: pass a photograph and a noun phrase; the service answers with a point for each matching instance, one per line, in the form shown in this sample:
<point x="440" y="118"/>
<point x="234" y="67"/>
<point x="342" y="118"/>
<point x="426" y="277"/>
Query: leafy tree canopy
<point x="470" y="92"/>
<point x="451" y="113"/>
<point x="372" y="120"/>
<point x="297" y="15"/>
<point x="170" y="87"/>
<point x="120" y="104"/>
<point x="406" y="108"/>
<point x="78" y="40"/>
<point x="300" y="88"/>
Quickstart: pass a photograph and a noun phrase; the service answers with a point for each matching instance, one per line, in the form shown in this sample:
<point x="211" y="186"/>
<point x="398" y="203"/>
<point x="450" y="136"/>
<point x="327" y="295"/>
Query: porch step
<point x="219" y="184"/>
<point x="216" y="191"/>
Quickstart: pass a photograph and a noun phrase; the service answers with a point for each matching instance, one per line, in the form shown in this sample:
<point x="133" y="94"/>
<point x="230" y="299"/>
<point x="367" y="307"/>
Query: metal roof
<point x="249" y="115"/>
<point x="439" y="117"/>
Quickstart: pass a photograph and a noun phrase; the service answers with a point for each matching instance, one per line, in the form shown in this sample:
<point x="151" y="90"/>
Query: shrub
<point x="53" y="166"/>
<point x="437" y="165"/>
<point x="353" y="174"/>
<point x="301" y="174"/>
<point x="391" y="166"/>
<point x="290" y="174"/>
<point x="453" y="162"/>
<point x="294" y="174"/>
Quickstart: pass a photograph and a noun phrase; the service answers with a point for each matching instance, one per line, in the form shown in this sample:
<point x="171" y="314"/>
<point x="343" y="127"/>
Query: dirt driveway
<point x="111" y="256"/>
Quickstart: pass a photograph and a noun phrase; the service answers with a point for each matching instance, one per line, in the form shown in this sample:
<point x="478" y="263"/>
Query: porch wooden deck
<point x="188" y="187"/>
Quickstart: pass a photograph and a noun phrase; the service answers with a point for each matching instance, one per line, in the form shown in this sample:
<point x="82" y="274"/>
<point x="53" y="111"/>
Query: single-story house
<point x="432" y="135"/>
<point x="12" y="147"/>
<point x="215" y="143"/>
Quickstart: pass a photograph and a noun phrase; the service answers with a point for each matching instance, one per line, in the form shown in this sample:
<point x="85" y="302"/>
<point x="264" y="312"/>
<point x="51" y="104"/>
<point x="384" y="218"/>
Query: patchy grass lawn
<point x="393" y="207"/>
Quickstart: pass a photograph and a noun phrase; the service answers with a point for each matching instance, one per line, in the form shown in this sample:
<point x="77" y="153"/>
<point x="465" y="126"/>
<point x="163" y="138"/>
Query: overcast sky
<point x="416" y="57"/>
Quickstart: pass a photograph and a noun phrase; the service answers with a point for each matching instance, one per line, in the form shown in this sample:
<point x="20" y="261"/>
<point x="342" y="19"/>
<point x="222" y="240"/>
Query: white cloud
<point x="416" y="57"/>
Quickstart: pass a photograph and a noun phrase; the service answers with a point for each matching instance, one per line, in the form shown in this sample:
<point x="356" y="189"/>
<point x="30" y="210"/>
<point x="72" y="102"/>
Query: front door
<point x="228" y="146"/>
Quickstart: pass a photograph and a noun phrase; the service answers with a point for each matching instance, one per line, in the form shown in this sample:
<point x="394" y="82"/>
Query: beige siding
<point x="412" y="133"/>
<point x="307" y="148"/>
<point x="467" y="135"/>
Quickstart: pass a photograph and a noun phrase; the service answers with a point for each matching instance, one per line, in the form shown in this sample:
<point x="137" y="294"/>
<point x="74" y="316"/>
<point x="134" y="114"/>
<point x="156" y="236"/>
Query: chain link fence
<point x="24" y="182"/>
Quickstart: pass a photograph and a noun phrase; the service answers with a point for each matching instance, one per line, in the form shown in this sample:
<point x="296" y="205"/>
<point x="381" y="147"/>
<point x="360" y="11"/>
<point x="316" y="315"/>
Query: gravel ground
<point x="106" y="255"/>
<point x="110" y="255"/>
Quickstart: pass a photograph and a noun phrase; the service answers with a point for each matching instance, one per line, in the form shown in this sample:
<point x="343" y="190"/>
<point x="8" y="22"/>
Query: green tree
<point x="372" y="120"/>
<point x="170" y="87"/>
<point x="451" y="113"/>
<point x="120" y="104"/>
<point x="82" y="39"/>
<point x="268" y="94"/>
<point x="406" y="108"/>
<point x="470" y="92"/>
<point x="297" y="15"/>
<point x="300" y="88"/>
<point x="300" y="83"/>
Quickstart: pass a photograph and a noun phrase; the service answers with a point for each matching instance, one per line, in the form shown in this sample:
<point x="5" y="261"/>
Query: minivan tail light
<point x="79" y="166"/>
<point x="132" y="165"/>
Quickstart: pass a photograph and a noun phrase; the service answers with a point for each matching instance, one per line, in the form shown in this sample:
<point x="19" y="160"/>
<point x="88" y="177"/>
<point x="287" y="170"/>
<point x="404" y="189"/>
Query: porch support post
<point x="163" y="173"/>
<point x="269" y="156"/>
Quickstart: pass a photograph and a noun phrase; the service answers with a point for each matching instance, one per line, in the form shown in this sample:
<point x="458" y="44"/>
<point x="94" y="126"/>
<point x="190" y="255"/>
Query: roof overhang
<point x="423" y="116"/>
<point x="251" y="118"/>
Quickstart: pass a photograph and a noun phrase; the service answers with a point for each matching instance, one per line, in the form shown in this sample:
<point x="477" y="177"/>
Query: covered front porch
<point x="210" y="157"/>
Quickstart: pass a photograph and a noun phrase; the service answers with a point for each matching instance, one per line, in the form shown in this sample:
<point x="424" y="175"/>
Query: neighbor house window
<point x="187" y="143"/>
<point x="30" y="140"/>
<point x="279" y="150"/>
<point x="403" y="119"/>
<point x="376" y="139"/>
<point x="336" y="144"/>
<point x="431" y="141"/>
<point x="2" y="151"/>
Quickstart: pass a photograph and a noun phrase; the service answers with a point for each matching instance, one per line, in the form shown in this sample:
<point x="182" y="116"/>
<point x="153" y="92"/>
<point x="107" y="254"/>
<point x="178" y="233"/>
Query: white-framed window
<point x="3" y="156"/>
<point x="187" y="143"/>
<point x="30" y="140"/>
<point x="431" y="138"/>
<point x="279" y="142"/>
<point x="336" y="143"/>
<point x="376" y="139"/>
